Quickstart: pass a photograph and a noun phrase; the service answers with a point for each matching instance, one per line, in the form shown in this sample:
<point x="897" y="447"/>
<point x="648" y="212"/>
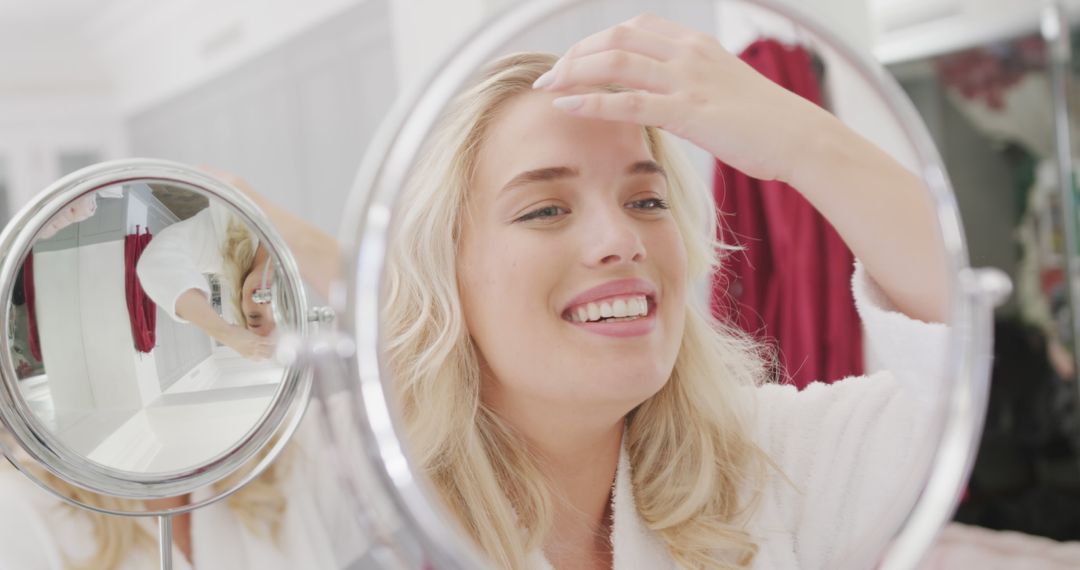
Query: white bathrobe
<point x="847" y="446"/>
<point x="856" y="451"/>
<point x="179" y="257"/>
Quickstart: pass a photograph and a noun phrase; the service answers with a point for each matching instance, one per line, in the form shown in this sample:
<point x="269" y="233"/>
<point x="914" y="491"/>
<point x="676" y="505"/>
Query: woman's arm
<point x="686" y="83"/>
<point x="883" y="213"/>
<point x="193" y="306"/>
<point x="171" y="270"/>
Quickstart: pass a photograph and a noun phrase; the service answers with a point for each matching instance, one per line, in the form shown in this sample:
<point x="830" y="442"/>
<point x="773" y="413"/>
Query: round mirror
<point x="561" y="365"/>
<point x="143" y="304"/>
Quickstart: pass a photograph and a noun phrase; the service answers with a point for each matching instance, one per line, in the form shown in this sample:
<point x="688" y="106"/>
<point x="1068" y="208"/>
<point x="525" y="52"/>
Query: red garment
<point x="791" y="282"/>
<point x="31" y="310"/>
<point x="141" y="310"/>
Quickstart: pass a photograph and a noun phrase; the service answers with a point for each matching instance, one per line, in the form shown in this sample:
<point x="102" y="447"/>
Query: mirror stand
<point x="165" y="540"/>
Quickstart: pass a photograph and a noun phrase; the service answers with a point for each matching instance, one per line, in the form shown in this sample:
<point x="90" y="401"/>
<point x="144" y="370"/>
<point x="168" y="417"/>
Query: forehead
<point x="529" y="133"/>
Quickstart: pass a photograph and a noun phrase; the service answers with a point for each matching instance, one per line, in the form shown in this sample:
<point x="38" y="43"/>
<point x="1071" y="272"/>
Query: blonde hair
<point x="238" y="255"/>
<point x="696" y="473"/>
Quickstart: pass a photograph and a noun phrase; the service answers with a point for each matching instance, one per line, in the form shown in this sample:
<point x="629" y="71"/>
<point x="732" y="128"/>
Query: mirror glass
<point x="142" y="328"/>
<point x="566" y="364"/>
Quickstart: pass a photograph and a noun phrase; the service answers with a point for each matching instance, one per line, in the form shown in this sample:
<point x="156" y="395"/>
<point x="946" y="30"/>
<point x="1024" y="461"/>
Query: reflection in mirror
<point x="142" y="328"/>
<point x="581" y="383"/>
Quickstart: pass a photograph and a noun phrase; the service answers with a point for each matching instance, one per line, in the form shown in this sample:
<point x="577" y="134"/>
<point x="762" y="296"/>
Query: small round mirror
<point x="142" y="303"/>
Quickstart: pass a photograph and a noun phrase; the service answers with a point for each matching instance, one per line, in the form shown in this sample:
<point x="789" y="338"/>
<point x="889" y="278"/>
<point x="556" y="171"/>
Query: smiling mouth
<point x="623" y="308"/>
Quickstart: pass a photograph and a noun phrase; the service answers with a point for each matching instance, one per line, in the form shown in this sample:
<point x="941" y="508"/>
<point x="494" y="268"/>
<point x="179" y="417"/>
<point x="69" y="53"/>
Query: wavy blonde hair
<point x="696" y="473"/>
<point x="238" y="255"/>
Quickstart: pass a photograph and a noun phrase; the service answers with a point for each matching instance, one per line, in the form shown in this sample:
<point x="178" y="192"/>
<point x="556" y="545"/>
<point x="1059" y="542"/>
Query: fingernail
<point x="544" y="80"/>
<point x="568" y="103"/>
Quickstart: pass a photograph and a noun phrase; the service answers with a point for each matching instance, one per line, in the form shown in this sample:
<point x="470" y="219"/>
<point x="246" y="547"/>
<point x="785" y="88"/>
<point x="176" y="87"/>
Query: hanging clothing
<point x="789" y="280"/>
<point x="141" y="308"/>
<point x="31" y="310"/>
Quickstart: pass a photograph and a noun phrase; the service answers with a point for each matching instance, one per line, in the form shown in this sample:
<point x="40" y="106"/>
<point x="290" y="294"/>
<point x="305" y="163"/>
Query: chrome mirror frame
<point x="27" y="444"/>
<point x="973" y="294"/>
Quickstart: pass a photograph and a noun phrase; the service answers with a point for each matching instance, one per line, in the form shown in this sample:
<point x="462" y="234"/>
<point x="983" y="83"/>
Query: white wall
<point x="55" y="96"/>
<point x="74" y="72"/>
<point x="157" y="50"/>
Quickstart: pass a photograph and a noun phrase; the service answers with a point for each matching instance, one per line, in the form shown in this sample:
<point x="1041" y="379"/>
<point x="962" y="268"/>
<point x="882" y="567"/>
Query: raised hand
<point x="686" y="83"/>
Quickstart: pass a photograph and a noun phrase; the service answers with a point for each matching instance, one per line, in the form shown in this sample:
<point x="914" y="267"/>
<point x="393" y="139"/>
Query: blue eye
<point x="542" y="213"/>
<point x="649" y="204"/>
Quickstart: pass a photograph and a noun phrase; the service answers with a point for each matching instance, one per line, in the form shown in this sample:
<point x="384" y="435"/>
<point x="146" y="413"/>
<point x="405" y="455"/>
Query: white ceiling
<point x="47" y="12"/>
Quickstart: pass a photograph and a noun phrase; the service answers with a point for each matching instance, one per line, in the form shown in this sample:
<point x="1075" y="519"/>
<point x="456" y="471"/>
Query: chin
<point x="632" y="385"/>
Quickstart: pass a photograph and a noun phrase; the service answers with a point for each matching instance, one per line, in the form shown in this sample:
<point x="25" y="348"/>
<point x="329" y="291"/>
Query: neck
<point x="580" y="450"/>
<point x="582" y="472"/>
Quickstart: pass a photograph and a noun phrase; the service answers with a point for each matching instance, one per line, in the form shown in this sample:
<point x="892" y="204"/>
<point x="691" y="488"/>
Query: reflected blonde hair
<point x="696" y="473"/>
<point x="238" y="254"/>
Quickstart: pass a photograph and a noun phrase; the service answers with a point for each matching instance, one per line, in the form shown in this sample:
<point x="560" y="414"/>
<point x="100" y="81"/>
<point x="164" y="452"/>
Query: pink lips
<point x="618" y="288"/>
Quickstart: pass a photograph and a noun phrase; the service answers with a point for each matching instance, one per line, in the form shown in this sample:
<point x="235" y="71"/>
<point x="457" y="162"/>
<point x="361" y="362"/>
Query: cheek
<point x="669" y="253"/>
<point x="506" y="286"/>
<point x="671" y="258"/>
<point x="498" y="281"/>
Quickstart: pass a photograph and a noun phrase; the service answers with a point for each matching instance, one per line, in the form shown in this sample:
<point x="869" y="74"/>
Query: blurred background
<point x="289" y="94"/>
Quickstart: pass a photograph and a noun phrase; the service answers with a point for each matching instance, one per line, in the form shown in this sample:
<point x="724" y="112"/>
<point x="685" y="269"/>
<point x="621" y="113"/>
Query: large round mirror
<point x="682" y="289"/>
<point x="143" y="305"/>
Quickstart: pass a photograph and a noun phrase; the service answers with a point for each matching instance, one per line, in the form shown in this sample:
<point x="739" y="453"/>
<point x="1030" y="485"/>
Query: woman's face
<point x="565" y="226"/>
<point x="260" y="318"/>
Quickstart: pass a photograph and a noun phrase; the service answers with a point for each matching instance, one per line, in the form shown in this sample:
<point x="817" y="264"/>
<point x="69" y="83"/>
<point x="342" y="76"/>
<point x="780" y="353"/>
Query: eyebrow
<point x="540" y="175"/>
<point x="647" y="167"/>
<point x="559" y="172"/>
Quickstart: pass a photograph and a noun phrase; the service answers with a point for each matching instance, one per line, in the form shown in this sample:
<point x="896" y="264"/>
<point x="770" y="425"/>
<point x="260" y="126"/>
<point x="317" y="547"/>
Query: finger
<point x="622" y="67"/>
<point x="638" y="107"/>
<point x="625" y="37"/>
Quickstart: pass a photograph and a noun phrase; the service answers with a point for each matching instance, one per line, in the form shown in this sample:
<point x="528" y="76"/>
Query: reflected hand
<point x="78" y="210"/>
<point x="686" y="83"/>
<point x="247" y="343"/>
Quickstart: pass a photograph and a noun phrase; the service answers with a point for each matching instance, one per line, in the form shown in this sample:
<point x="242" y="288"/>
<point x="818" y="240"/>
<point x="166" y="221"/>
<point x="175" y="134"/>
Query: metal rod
<point x="165" y="541"/>
<point x="1055" y="32"/>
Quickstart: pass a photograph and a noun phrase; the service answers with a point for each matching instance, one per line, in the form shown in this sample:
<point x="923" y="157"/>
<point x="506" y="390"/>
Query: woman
<point x="171" y="271"/>
<point x="215" y="241"/>
<point x="572" y="402"/>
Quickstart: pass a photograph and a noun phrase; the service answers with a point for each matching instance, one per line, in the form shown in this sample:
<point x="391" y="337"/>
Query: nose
<point x="614" y="238"/>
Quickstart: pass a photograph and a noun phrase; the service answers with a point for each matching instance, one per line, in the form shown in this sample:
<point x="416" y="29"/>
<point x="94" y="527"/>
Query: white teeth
<point x="619" y="308"/>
